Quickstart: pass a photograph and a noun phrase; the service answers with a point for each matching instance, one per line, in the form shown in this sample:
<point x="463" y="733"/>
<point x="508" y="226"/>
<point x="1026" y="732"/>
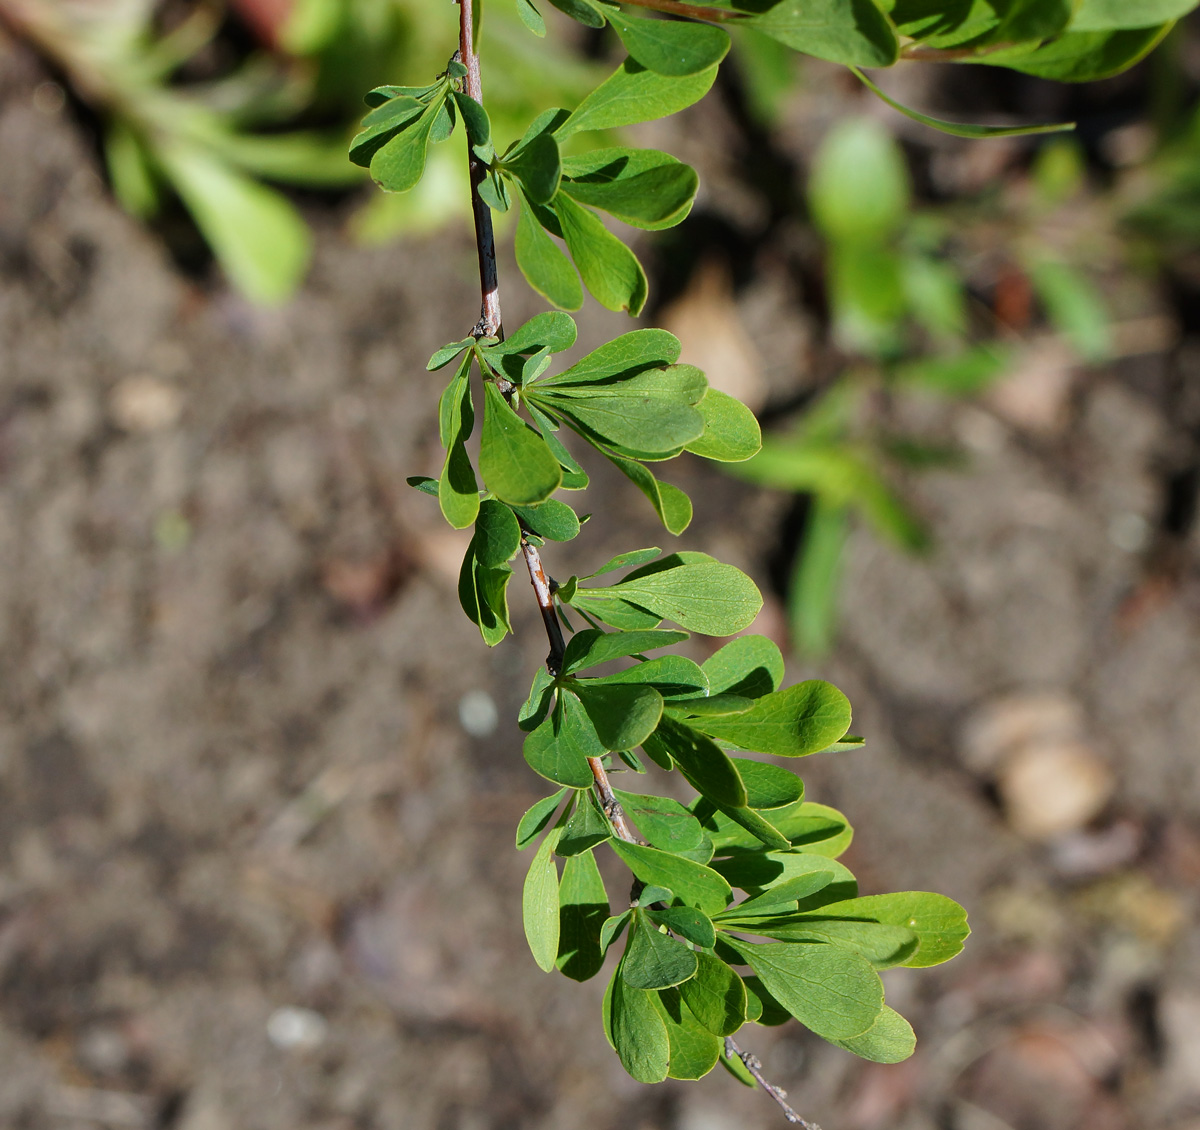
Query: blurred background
<point x="259" y="777"/>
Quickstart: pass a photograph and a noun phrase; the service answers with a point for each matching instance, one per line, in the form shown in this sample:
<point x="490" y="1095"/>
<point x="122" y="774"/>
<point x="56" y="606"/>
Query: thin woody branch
<point x="490" y="325"/>
<point x="490" y="322"/>
<point x="754" y="1065"/>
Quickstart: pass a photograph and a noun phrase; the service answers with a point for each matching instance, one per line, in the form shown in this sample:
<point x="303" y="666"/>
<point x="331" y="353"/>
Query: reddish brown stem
<point x="490" y="322"/>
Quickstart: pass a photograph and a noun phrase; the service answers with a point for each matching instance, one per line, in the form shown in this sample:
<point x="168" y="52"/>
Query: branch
<point x="490" y="322"/>
<point x="490" y="325"/>
<point x="754" y="1065"/>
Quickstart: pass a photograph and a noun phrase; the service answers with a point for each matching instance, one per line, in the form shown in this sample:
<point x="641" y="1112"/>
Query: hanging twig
<point x="490" y="325"/>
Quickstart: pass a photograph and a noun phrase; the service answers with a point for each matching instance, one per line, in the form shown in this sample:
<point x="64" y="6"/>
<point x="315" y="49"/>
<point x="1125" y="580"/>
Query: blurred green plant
<point x="219" y="135"/>
<point x="901" y="318"/>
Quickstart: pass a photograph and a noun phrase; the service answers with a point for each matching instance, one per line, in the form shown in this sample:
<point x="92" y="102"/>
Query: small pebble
<point x="1051" y="788"/>
<point x="145" y="404"/>
<point x="478" y="714"/>
<point x="292" y="1028"/>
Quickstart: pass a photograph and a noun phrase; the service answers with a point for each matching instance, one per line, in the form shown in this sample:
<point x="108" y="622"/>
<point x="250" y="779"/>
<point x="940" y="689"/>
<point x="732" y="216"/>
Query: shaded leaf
<point x="583" y="910"/>
<point x="750" y="665"/>
<point x="654" y="960"/>
<point x="716" y="996"/>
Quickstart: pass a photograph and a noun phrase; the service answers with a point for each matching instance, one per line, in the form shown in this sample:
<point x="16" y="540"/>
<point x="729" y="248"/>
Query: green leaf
<point x="731" y="433"/>
<point x="382" y="124"/>
<point x="651" y="411"/>
<point x="642" y="187"/>
<point x="889" y="1040"/>
<point x="633" y="94"/>
<point x="779" y="899"/>
<point x="497" y="534"/>
<point x="939" y="922"/>
<point x="963" y="129"/>
<point x="672" y="676"/>
<point x="759" y="827"/>
<point x="458" y="492"/>
<point x="1084" y="56"/>
<point x="623" y="357"/>
<point x="692" y="883"/>
<point x="853" y="32"/>
<point x="689" y="923"/>
<point x="424" y="484"/>
<point x="558" y="749"/>
<point x="623" y="716"/>
<point x="882" y="945"/>
<point x="544" y="266"/>
<point x="694" y="1050"/>
<point x="708" y="597"/>
<point x="448" y="353"/>
<point x="1075" y="307"/>
<point x="611" y="930"/>
<point x="531" y="18"/>
<point x="574" y="477"/>
<point x="538" y="166"/>
<point x="614" y="612"/>
<point x="537" y="705"/>
<point x="539" y="904"/>
<point x="703" y="763"/>
<point x="750" y="665"/>
<point x="536" y="817"/>
<point x="756" y="872"/>
<point x="1115" y="15"/>
<point x="795" y="722"/>
<point x="582" y="911"/>
<point x="636" y="1030"/>
<point x="482" y="592"/>
<point x="550" y="330"/>
<point x="832" y="992"/>
<point x="551" y="520"/>
<point x="815" y="828"/>
<point x="399" y="164"/>
<point x="716" y="996"/>
<point x="131" y="170"/>
<point x="629" y="560"/>
<point x="256" y="234"/>
<point x="768" y="786"/>
<point x="475" y="119"/>
<point x="608" y="268"/>
<point x="672" y="506"/>
<point x="591" y="647"/>
<point x="586" y="828"/>
<point x="812" y="594"/>
<point x="720" y="704"/>
<point x="858" y="189"/>
<point x="663" y="821"/>
<point x="654" y="960"/>
<point x="514" y="460"/>
<point x="493" y="191"/>
<point x="670" y="47"/>
<point x="770" y="1013"/>
<point x="582" y="11"/>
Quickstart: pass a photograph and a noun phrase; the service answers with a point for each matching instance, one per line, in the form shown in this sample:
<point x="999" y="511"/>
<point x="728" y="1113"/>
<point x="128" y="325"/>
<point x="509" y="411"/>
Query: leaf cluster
<point x="740" y="911"/>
